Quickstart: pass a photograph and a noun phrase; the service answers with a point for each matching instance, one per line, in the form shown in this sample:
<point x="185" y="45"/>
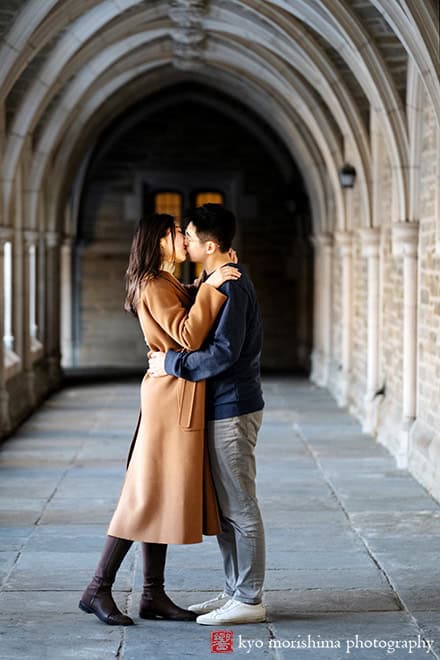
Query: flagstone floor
<point x="353" y="544"/>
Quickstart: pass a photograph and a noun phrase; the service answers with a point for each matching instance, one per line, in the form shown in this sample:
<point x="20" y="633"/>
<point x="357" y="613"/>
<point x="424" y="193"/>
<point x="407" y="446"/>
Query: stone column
<point x="30" y="240"/>
<point x="327" y="256"/>
<point x="323" y="244"/>
<point x="41" y="288"/>
<point x="317" y="348"/>
<point x="66" y="303"/>
<point x="305" y="296"/>
<point x="345" y="245"/>
<point x="53" y="348"/>
<point x="405" y="237"/>
<point x="5" y="422"/>
<point x="370" y="237"/>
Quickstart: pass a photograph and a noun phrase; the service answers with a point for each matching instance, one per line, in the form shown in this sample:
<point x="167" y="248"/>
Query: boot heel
<point x="85" y="608"/>
<point x="148" y="615"/>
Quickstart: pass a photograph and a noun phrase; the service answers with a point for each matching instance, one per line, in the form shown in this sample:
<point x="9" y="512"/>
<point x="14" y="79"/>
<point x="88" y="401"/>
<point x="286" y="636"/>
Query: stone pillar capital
<point x="344" y="242"/>
<point x="52" y="239"/>
<point x="5" y="235"/>
<point x="370" y="241"/>
<point x="405" y="239"/>
<point x="322" y="240"/>
<point x="30" y="237"/>
<point x="67" y="241"/>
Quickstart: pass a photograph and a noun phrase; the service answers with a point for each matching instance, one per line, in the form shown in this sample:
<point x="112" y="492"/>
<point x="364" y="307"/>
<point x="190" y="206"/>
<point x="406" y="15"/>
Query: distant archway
<point x="186" y="139"/>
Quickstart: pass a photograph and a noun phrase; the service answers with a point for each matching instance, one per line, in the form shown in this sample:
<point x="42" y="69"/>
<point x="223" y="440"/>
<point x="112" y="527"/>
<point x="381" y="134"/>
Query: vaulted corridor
<point x="317" y="122"/>
<point x="353" y="543"/>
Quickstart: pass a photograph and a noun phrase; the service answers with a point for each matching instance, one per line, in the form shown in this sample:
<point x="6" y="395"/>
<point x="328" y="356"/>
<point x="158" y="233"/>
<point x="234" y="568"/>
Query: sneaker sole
<point x="199" y="610"/>
<point x="223" y="622"/>
<point x="210" y="608"/>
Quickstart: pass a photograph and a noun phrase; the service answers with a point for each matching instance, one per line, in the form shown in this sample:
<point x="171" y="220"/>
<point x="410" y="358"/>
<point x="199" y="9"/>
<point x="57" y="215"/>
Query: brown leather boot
<point x="154" y="601"/>
<point x="97" y="598"/>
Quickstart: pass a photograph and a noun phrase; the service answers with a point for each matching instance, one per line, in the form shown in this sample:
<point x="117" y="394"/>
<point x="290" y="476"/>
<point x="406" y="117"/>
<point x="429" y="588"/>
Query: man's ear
<point x="210" y="247"/>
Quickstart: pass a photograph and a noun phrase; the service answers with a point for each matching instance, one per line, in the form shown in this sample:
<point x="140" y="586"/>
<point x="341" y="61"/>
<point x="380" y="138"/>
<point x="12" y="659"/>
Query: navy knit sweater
<point x="230" y="357"/>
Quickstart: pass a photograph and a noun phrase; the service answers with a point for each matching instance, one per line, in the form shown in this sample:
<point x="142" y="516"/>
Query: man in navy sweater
<point x="230" y="363"/>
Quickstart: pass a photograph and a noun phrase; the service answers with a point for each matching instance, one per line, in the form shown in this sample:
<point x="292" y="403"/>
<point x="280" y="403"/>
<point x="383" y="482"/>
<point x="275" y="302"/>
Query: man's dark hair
<point x="213" y="223"/>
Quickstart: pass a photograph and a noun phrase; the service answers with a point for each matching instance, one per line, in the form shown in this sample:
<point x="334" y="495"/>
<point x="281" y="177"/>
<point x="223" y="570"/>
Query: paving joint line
<point x="36" y="523"/>
<point x="334" y="493"/>
<point x="403" y="607"/>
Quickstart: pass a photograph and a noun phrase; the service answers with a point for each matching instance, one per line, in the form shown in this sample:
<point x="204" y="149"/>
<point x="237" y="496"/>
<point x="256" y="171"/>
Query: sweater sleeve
<point x="189" y="328"/>
<point x="223" y="349"/>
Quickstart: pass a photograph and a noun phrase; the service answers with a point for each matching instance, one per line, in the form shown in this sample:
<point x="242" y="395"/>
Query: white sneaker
<point x="209" y="605"/>
<point x="234" y="612"/>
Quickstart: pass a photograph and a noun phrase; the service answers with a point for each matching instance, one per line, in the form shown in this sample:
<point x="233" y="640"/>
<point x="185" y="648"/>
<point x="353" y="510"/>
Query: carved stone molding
<point x="322" y="240"/>
<point x="30" y="237"/>
<point x="5" y="234"/>
<point x="344" y="242"/>
<point x="52" y="239"/>
<point x="405" y="239"/>
<point x="188" y="35"/>
<point x="370" y="241"/>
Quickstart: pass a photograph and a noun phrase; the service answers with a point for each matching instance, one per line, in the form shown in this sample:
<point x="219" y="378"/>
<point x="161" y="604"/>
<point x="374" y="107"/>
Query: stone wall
<point x="109" y="336"/>
<point x="391" y="319"/>
<point x="429" y="278"/>
<point x="424" y="460"/>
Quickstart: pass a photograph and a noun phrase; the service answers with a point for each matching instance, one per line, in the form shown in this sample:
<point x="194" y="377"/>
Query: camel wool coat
<point x="168" y="495"/>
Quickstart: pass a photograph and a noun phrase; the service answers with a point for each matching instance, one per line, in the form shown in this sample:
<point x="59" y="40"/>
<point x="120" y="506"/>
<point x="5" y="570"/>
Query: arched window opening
<point x="171" y="203"/>
<point x="209" y="198"/>
<point x="206" y="197"/>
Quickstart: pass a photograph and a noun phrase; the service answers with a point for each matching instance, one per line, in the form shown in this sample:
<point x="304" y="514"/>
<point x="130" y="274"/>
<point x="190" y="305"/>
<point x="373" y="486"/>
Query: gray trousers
<point x="231" y="444"/>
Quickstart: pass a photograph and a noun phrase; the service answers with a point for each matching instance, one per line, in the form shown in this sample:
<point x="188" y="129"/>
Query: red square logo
<point x="222" y="641"/>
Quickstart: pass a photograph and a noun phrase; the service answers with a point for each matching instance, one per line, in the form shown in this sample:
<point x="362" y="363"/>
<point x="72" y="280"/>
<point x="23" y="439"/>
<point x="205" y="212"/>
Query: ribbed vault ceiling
<point x="314" y="69"/>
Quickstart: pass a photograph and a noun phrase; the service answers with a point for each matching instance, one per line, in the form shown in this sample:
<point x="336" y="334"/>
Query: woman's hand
<point x="197" y="282"/>
<point x="222" y="275"/>
<point x="156" y="364"/>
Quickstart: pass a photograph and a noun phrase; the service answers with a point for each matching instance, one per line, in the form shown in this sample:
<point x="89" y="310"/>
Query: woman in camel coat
<point x="168" y="495"/>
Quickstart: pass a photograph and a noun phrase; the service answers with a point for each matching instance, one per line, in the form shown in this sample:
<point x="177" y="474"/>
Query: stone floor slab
<point x="352" y="542"/>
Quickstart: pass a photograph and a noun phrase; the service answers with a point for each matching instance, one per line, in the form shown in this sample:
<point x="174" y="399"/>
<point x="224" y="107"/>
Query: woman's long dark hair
<point x="145" y="255"/>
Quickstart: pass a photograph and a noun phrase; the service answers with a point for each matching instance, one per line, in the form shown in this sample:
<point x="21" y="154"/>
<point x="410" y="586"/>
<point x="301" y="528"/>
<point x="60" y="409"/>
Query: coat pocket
<point x="190" y="401"/>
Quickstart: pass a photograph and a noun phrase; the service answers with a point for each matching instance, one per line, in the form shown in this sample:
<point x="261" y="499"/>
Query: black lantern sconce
<point x="347" y="176"/>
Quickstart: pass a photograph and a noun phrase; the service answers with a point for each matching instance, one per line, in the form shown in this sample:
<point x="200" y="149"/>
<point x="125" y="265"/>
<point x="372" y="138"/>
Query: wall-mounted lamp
<point x="347" y="176"/>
